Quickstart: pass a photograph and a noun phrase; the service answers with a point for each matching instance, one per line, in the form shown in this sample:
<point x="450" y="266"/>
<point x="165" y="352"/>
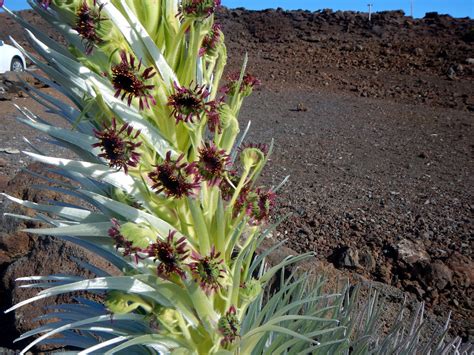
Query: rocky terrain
<point x="374" y="123"/>
<point x="423" y="61"/>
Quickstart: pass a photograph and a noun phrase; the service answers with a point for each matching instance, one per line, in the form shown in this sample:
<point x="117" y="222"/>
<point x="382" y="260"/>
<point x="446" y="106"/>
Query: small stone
<point x="440" y="276"/>
<point x="451" y="73"/>
<point x="367" y="261"/>
<point x="346" y="257"/>
<point x="411" y="253"/>
<point x="301" y="107"/>
<point x="418" y="51"/>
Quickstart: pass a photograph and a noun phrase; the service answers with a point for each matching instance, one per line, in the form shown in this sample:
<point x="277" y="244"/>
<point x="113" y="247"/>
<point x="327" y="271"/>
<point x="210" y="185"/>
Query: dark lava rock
<point x="440" y="275"/>
<point x="26" y="255"/>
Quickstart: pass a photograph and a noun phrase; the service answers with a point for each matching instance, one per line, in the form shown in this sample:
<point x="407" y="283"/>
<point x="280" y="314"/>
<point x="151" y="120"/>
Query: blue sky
<point x="457" y="8"/>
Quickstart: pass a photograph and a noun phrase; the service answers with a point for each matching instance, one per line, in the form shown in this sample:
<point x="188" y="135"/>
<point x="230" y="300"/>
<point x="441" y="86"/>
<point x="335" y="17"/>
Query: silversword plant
<point x="171" y="189"/>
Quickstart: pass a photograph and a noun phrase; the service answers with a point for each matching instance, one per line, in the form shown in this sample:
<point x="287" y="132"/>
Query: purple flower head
<point x="188" y="103"/>
<point x="207" y="270"/>
<point x="118" y="146"/>
<point x="87" y="21"/>
<point x="259" y="204"/>
<point x="229" y="326"/>
<point x="210" y="41"/>
<point x="212" y="163"/>
<point x="249" y="82"/>
<point x="130" y="82"/>
<point x="198" y="8"/>
<point x="175" y="178"/>
<point x="120" y="241"/>
<point x="171" y="254"/>
<point x="214" y="122"/>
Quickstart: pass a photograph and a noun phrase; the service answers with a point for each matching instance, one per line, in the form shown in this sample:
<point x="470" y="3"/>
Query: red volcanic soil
<point x="374" y="123"/>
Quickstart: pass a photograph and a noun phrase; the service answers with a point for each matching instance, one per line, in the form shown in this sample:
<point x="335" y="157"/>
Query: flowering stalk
<point x="162" y="139"/>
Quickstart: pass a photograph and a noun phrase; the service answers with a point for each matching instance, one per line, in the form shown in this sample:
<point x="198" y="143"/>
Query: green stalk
<point x="203" y="307"/>
<point x="242" y="182"/>
<point x="220" y="223"/>
<point x="177" y="44"/>
<point x="200" y="226"/>
<point x="220" y="65"/>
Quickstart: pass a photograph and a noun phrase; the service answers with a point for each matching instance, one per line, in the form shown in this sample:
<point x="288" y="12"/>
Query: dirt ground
<point x="374" y="124"/>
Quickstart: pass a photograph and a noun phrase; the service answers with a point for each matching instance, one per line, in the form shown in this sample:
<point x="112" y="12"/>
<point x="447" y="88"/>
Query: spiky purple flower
<point x="229" y="326"/>
<point x="207" y="270"/>
<point x="118" y="146"/>
<point x="87" y="21"/>
<point x="198" y="8"/>
<point x="259" y="204"/>
<point x="175" y="178"/>
<point x="249" y="82"/>
<point x="210" y="41"/>
<point x="212" y="163"/>
<point x="188" y="103"/>
<point x="171" y="254"/>
<point x="120" y="241"/>
<point x="130" y="82"/>
<point x="214" y="122"/>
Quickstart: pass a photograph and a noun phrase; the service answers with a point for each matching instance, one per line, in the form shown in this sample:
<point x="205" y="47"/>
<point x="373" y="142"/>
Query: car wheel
<point x="16" y="65"/>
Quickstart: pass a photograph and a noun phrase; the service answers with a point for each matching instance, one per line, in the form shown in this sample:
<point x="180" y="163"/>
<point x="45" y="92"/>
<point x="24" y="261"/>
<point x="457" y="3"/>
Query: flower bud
<point x="250" y="290"/>
<point x="251" y="157"/>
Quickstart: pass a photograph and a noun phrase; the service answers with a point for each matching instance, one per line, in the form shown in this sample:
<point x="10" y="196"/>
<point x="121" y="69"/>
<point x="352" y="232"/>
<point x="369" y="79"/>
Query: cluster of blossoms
<point x="257" y="203"/>
<point x="171" y="255"/>
<point x="178" y="178"/>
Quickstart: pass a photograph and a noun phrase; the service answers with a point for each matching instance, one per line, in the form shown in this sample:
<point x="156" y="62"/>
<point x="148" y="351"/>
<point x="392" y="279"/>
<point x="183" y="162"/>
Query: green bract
<point x="171" y="193"/>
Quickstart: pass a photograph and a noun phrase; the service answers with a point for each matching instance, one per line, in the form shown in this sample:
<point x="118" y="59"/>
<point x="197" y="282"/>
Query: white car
<point x="11" y="59"/>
